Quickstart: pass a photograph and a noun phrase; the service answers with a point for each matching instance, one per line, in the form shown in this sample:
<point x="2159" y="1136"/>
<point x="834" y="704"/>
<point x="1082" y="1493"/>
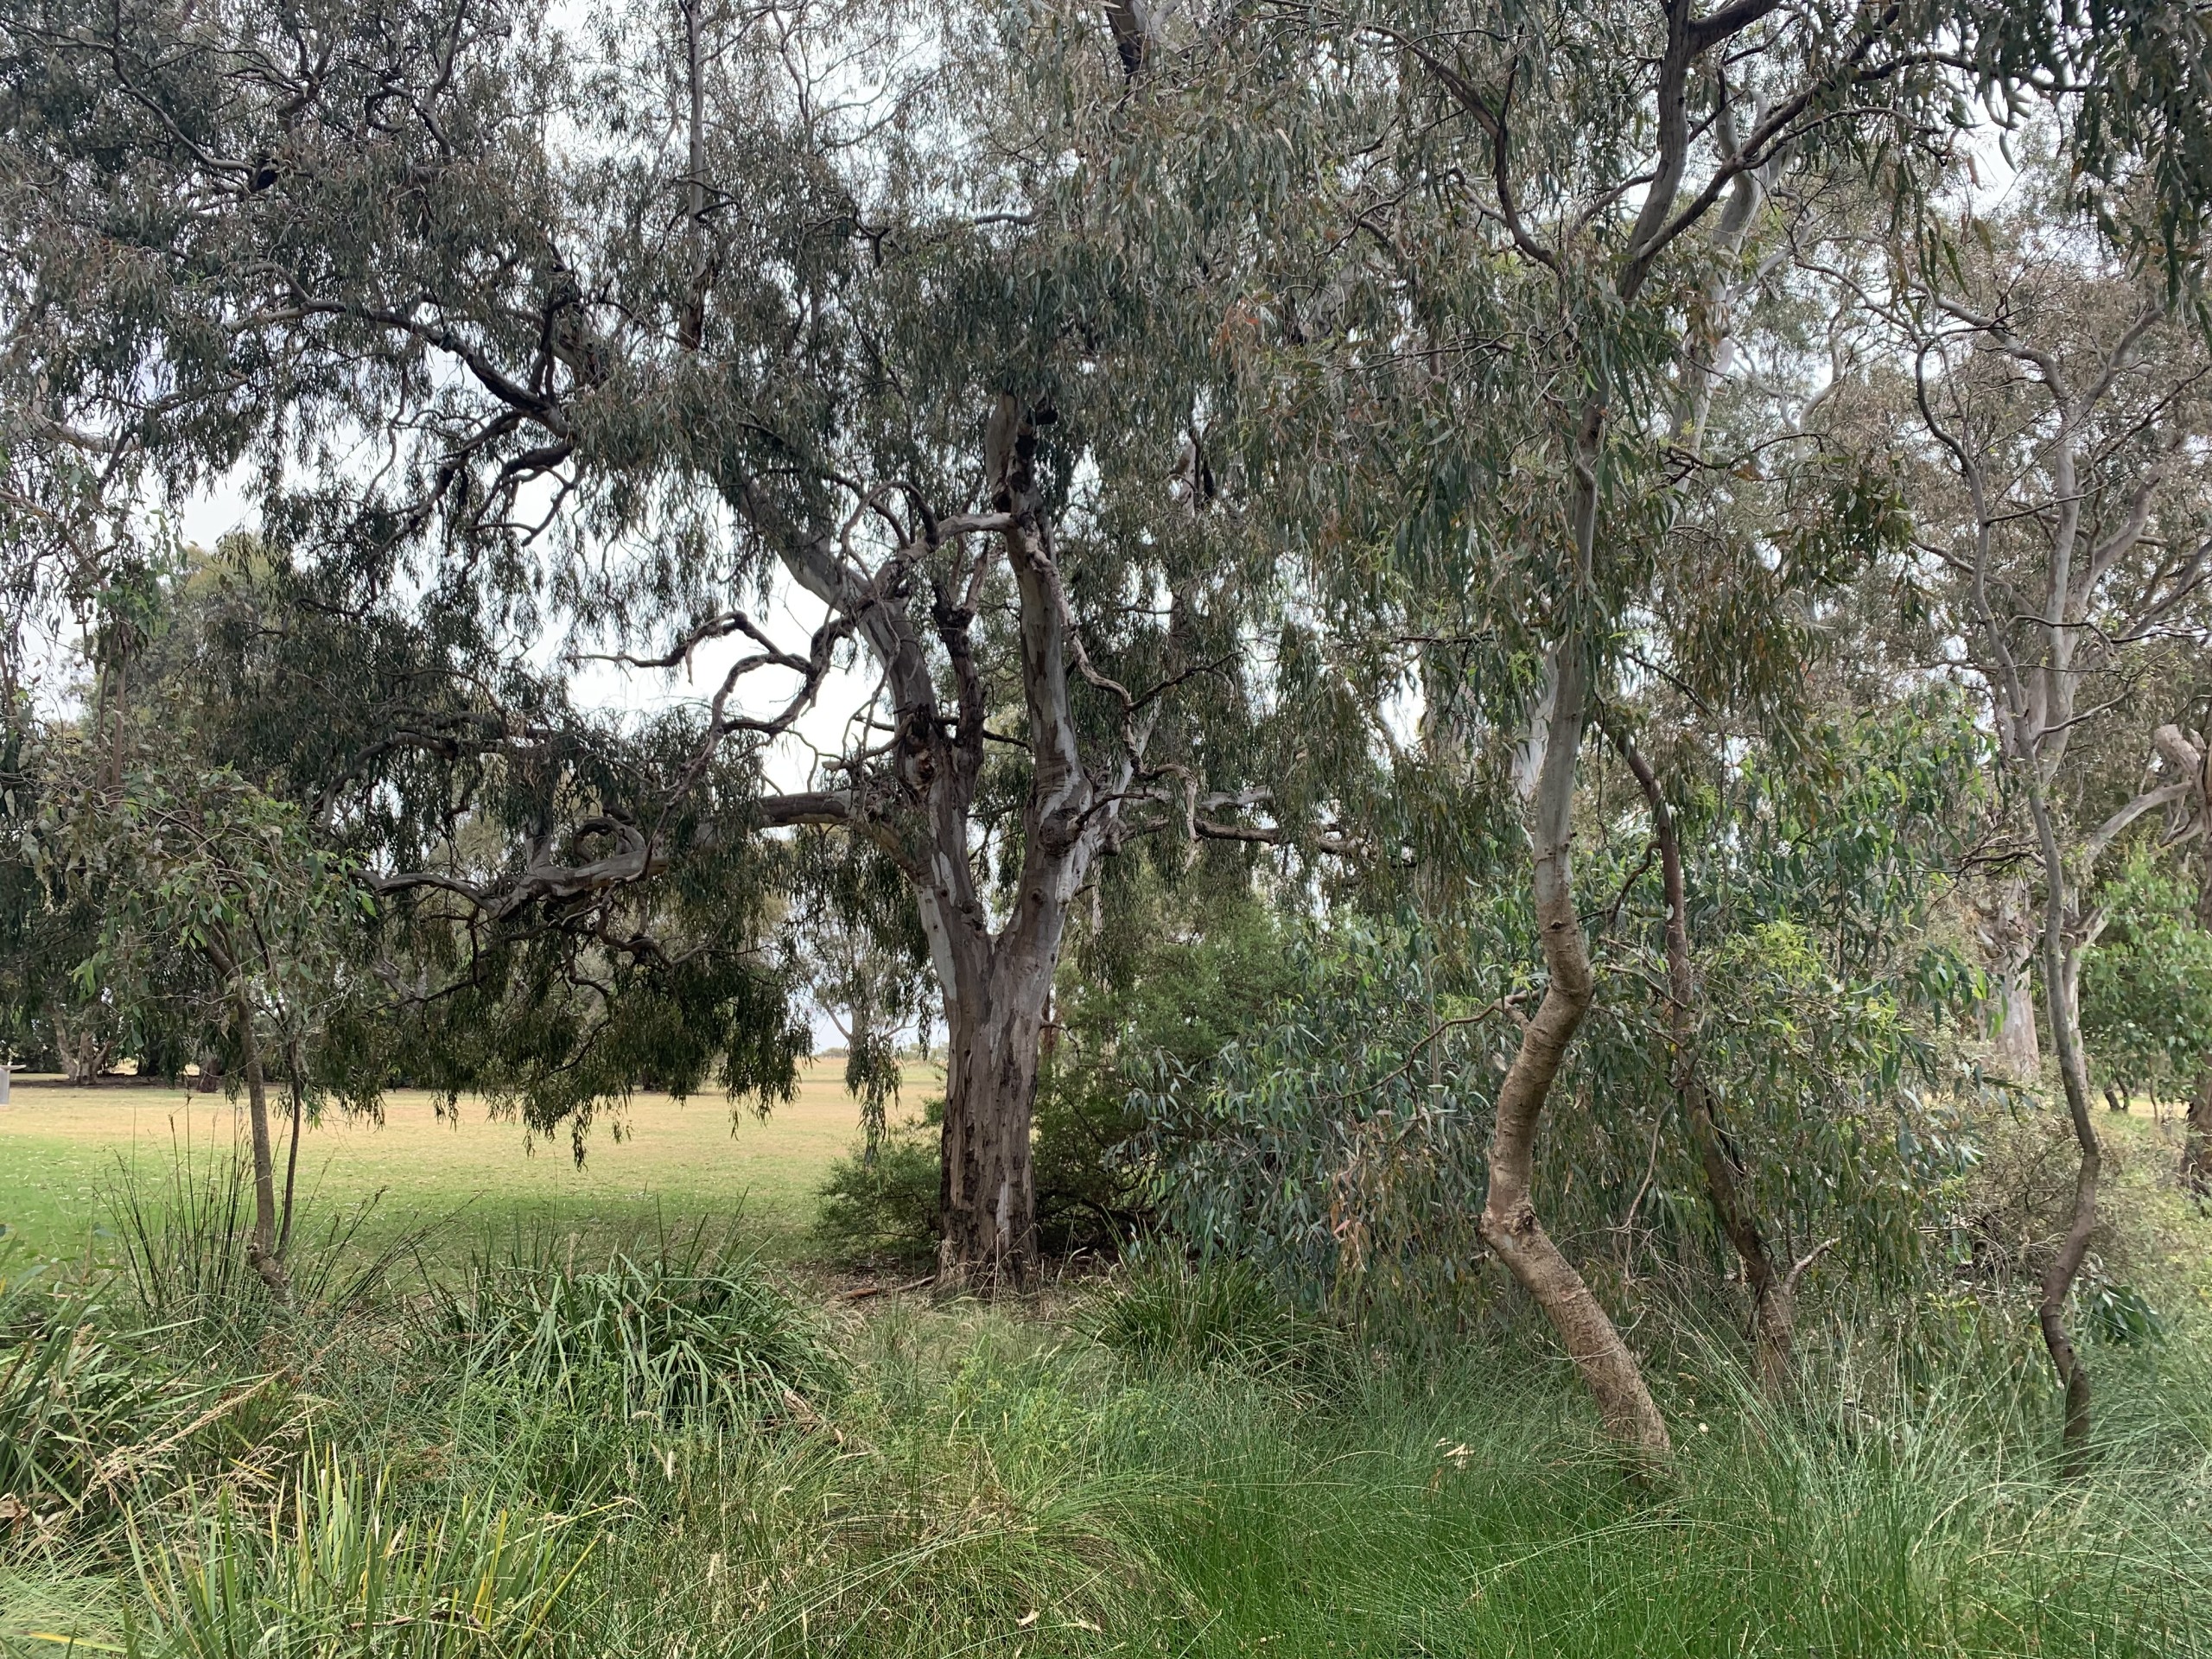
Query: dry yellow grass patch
<point x="680" y="1160"/>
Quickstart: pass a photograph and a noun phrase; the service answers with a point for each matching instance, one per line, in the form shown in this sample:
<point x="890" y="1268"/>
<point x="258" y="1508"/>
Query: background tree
<point x="1544" y="224"/>
<point x="925" y="385"/>
<point x="214" y="899"/>
<point x="2059" y="402"/>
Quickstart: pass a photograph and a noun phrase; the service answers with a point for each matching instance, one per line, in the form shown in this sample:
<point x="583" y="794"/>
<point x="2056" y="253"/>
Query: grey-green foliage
<point x="635" y="378"/>
<point x="2146" y="989"/>
<point x="1340" y="1143"/>
<point x="1333" y="1147"/>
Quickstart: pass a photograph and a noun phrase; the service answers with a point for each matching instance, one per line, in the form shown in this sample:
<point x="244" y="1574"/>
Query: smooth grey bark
<point x="1694" y="48"/>
<point x="2009" y="934"/>
<point x="995" y="972"/>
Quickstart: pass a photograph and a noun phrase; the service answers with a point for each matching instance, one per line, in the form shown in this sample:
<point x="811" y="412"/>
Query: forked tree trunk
<point x="997" y="986"/>
<point x="1509" y="1224"/>
<point x="1773" y="1297"/>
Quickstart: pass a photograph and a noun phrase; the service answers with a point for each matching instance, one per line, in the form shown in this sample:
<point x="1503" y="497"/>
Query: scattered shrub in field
<point x="694" y="1337"/>
<point x="340" y="1571"/>
<point x="884" y="1210"/>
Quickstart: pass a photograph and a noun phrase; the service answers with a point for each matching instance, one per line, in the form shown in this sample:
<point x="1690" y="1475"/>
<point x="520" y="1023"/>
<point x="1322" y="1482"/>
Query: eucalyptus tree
<point x="2147" y="993"/>
<point x="1548" y="215"/>
<point x="622" y="335"/>
<point x="2188" y="756"/>
<point x="217" y="910"/>
<point x="2058" y="409"/>
<point x="1508" y="322"/>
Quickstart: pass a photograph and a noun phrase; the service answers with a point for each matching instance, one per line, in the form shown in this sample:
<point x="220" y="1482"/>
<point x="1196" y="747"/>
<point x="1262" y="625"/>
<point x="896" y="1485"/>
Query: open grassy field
<point x="61" y="1148"/>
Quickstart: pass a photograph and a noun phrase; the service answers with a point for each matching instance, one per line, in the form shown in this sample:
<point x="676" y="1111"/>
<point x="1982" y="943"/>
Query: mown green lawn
<point x="63" y="1150"/>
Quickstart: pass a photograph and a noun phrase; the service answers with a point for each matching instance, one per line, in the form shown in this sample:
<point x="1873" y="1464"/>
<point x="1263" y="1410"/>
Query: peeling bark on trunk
<point x="2009" y="932"/>
<point x="995" y="972"/>
<point x="987" y="1190"/>
<point x="1773" y="1296"/>
<point x="2019" y="1051"/>
<point x="1509" y="1224"/>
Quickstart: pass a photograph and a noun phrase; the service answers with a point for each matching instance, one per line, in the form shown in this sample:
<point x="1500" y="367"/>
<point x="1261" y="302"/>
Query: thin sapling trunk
<point x="1773" y="1297"/>
<point x="263" y="1252"/>
<point x="2066" y="1038"/>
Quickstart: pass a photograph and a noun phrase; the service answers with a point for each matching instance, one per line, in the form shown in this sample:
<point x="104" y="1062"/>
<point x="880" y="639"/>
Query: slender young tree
<point x="2064" y="406"/>
<point x="214" y="899"/>
<point x="1548" y="193"/>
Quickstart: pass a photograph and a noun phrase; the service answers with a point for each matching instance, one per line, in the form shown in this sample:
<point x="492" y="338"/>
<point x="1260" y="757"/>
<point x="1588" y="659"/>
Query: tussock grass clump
<point x="181" y="1240"/>
<point x="70" y="1404"/>
<point x="339" y="1570"/>
<point x="670" y="1451"/>
<point x="688" y="1334"/>
<point x="1170" y="1309"/>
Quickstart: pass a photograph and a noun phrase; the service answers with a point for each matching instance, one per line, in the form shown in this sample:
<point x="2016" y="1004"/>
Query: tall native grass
<point x="1166" y="1463"/>
<point x="338" y="1568"/>
<point x="689" y="1331"/>
<point x="181" y="1244"/>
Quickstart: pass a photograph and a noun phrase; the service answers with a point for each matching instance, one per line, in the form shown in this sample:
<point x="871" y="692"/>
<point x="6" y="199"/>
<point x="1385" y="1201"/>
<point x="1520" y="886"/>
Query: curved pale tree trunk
<point x="1510" y="1224"/>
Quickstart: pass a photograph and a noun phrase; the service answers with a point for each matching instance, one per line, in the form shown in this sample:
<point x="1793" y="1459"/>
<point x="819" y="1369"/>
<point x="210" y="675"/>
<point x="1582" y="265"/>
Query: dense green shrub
<point x="884" y="1208"/>
<point x="1166" y="980"/>
<point x="1340" y="1141"/>
<point x="2146" y="989"/>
